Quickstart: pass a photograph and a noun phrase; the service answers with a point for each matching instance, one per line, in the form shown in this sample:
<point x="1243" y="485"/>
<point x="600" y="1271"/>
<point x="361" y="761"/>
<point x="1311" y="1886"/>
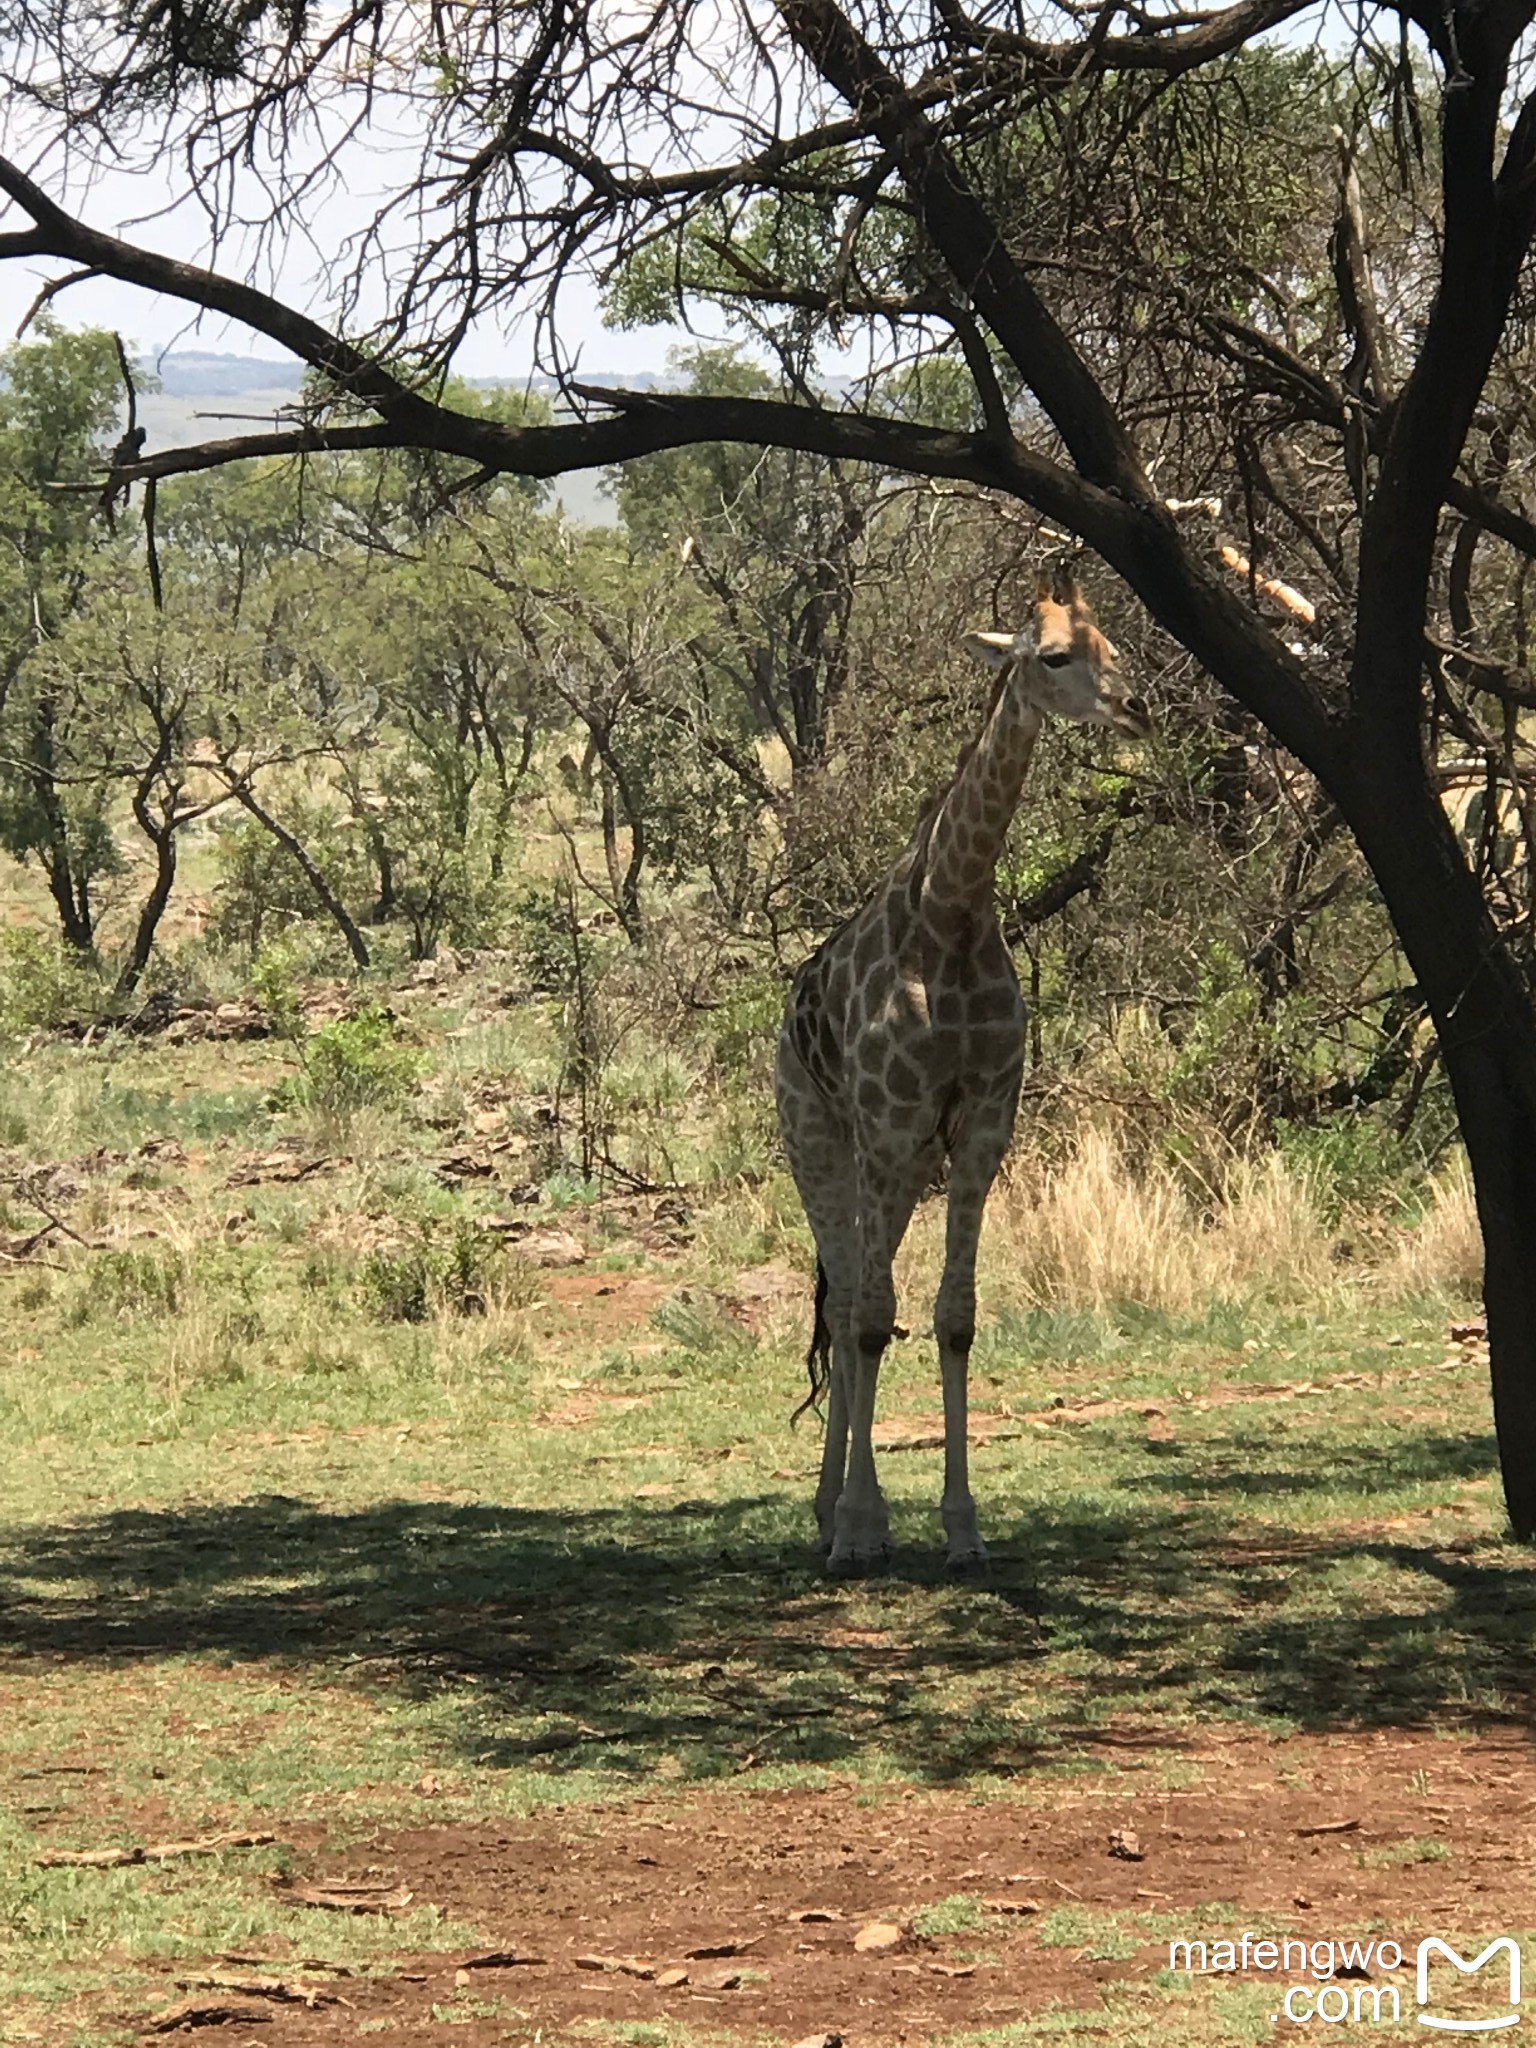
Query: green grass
<point x="957" y="1914"/>
<point x="1400" y="1855"/>
<point x="1142" y="2016"/>
<point x="282" y="1556"/>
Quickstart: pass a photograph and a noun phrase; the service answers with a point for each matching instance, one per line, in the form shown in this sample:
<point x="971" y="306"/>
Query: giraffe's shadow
<point x="710" y="1633"/>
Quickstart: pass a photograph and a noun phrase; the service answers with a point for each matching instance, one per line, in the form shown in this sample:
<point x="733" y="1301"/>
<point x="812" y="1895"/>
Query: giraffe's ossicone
<point x="902" y="1051"/>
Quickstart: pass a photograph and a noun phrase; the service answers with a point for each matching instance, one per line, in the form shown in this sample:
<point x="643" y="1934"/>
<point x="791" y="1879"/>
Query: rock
<point x="552" y="1248"/>
<point x="878" y="1937"/>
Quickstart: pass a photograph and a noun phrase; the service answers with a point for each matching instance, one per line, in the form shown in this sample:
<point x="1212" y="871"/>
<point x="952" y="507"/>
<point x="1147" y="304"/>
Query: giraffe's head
<point x="1062" y="663"/>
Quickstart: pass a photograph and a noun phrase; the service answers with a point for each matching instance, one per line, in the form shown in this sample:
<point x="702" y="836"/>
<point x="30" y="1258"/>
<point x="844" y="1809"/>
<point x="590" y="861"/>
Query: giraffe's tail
<point x="818" y="1360"/>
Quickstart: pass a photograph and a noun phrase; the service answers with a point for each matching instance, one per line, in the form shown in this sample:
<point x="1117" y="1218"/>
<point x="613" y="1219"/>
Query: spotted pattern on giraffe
<point x="902" y="1050"/>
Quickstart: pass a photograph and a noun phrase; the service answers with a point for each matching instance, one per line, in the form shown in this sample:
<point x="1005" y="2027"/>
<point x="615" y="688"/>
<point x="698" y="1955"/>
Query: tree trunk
<point x="623" y="880"/>
<point x="164" y="842"/>
<point x="1486" y="1023"/>
<point x="72" y="901"/>
<point x="312" y="872"/>
<point x="71" y="895"/>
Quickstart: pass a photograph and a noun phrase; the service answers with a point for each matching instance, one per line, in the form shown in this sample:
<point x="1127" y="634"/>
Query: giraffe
<point x="902" y="1047"/>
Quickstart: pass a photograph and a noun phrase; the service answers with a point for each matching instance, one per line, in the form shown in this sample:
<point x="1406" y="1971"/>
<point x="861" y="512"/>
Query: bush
<point x="42" y="982"/>
<point x="356" y="1062"/>
<point x="745" y="1027"/>
<point x="538" y="928"/>
<point x="458" y="1272"/>
<point x="261" y="887"/>
<point x="130" y="1285"/>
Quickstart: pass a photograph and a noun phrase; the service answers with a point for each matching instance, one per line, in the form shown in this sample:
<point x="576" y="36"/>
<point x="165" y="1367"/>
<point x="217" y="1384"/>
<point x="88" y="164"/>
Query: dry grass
<point x="1443" y="1251"/>
<point x="1093" y="1229"/>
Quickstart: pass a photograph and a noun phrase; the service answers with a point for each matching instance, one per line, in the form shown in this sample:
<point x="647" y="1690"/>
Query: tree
<point x="890" y="146"/>
<point x="59" y="398"/>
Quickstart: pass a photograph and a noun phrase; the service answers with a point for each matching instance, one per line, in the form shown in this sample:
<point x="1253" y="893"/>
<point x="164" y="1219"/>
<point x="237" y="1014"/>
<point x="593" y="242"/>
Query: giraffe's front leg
<point x="966" y="1556"/>
<point x="954" y="1323"/>
<point x="861" y="1524"/>
<point x="888" y="1192"/>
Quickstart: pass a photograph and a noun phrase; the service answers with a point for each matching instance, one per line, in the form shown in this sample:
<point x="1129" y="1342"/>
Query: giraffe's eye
<point x="1055" y="659"/>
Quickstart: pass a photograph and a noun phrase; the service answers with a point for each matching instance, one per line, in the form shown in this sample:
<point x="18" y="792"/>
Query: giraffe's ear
<point x="1063" y="585"/>
<point x="994" y="650"/>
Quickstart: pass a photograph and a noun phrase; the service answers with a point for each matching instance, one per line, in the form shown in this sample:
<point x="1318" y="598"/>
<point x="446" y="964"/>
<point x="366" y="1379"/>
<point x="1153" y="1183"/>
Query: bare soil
<point x="652" y="1881"/>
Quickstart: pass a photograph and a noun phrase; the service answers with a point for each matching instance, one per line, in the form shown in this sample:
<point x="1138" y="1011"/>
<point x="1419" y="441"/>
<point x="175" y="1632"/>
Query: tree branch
<point x="1170" y="52"/>
<point x="968" y="239"/>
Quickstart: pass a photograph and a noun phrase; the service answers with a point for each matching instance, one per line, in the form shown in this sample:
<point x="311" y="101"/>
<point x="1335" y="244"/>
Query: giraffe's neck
<point x="966" y="840"/>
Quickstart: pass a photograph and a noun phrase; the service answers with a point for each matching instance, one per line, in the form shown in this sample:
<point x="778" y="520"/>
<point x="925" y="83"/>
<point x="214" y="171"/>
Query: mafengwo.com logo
<point x="1343" y="1980"/>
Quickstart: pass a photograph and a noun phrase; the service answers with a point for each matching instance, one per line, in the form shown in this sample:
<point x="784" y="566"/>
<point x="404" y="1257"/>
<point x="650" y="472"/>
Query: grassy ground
<point x="275" y="1561"/>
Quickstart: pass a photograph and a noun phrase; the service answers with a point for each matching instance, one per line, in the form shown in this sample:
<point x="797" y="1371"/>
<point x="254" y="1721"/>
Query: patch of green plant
<point x="1356" y="1163"/>
<point x="44" y="982"/>
<point x="701" y="1329"/>
<point x="959" y="1913"/>
<point x="1402" y="1855"/>
<point x="130" y="1283"/>
<point x="357" y="1062"/>
<point x="219" y="1112"/>
<point x="452" y="1268"/>
<point x="463" y="2011"/>
<point x="744" y="1026"/>
<point x="260" y="889"/>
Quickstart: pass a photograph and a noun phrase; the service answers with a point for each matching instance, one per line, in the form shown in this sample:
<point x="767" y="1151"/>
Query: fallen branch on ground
<point x="139" y="1852"/>
<point x="197" y="2012"/>
<point x="286" y="1990"/>
<point x="348" y="1898"/>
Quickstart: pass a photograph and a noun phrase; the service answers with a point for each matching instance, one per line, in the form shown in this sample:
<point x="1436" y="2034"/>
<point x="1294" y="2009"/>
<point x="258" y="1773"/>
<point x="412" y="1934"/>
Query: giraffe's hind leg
<point x="974" y="1161"/>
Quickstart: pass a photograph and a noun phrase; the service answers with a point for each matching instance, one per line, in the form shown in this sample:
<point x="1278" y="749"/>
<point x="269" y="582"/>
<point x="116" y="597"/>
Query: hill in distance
<point x="205" y="395"/>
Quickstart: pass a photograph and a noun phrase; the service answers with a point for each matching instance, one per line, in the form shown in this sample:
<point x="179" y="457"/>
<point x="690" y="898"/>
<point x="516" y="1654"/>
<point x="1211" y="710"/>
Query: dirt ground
<point x="760" y="1896"/>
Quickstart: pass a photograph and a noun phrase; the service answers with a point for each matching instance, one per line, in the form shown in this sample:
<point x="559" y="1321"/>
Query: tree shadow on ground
<point x="706" y="1631"/>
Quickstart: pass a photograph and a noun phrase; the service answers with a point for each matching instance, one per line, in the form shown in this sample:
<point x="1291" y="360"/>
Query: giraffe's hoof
<point x="851" y="1561"/>
<point x="970" y="1563"/>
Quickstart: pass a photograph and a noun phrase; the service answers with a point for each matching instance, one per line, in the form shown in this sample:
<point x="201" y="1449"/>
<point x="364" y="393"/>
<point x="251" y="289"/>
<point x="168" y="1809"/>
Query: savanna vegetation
<point x="404" y="1299"/>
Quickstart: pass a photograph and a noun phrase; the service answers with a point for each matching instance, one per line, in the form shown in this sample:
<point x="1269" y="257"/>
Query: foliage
<point x="42" y="982"/>
<point x="460" y="1270"/>
<point x="356" y="1062"/>
<point x="259" y="893"/>
<point x="754" y="683"/>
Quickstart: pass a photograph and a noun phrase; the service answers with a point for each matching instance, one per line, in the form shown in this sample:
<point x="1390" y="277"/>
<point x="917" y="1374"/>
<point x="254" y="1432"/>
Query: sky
<point x="133" y="207"/>
<point x="140" y="208"/>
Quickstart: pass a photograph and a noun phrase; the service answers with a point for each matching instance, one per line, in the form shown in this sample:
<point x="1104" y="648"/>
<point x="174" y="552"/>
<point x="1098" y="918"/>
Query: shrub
<point x="42" y="982"/>
<point x="276" y="988"/>
<point x="261" y="887"/>
<point x="356" y="1062"/>
<point x="745" y="1027"/>
<point x="459" y="1270"/>
<point x="130" y="1284"/>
